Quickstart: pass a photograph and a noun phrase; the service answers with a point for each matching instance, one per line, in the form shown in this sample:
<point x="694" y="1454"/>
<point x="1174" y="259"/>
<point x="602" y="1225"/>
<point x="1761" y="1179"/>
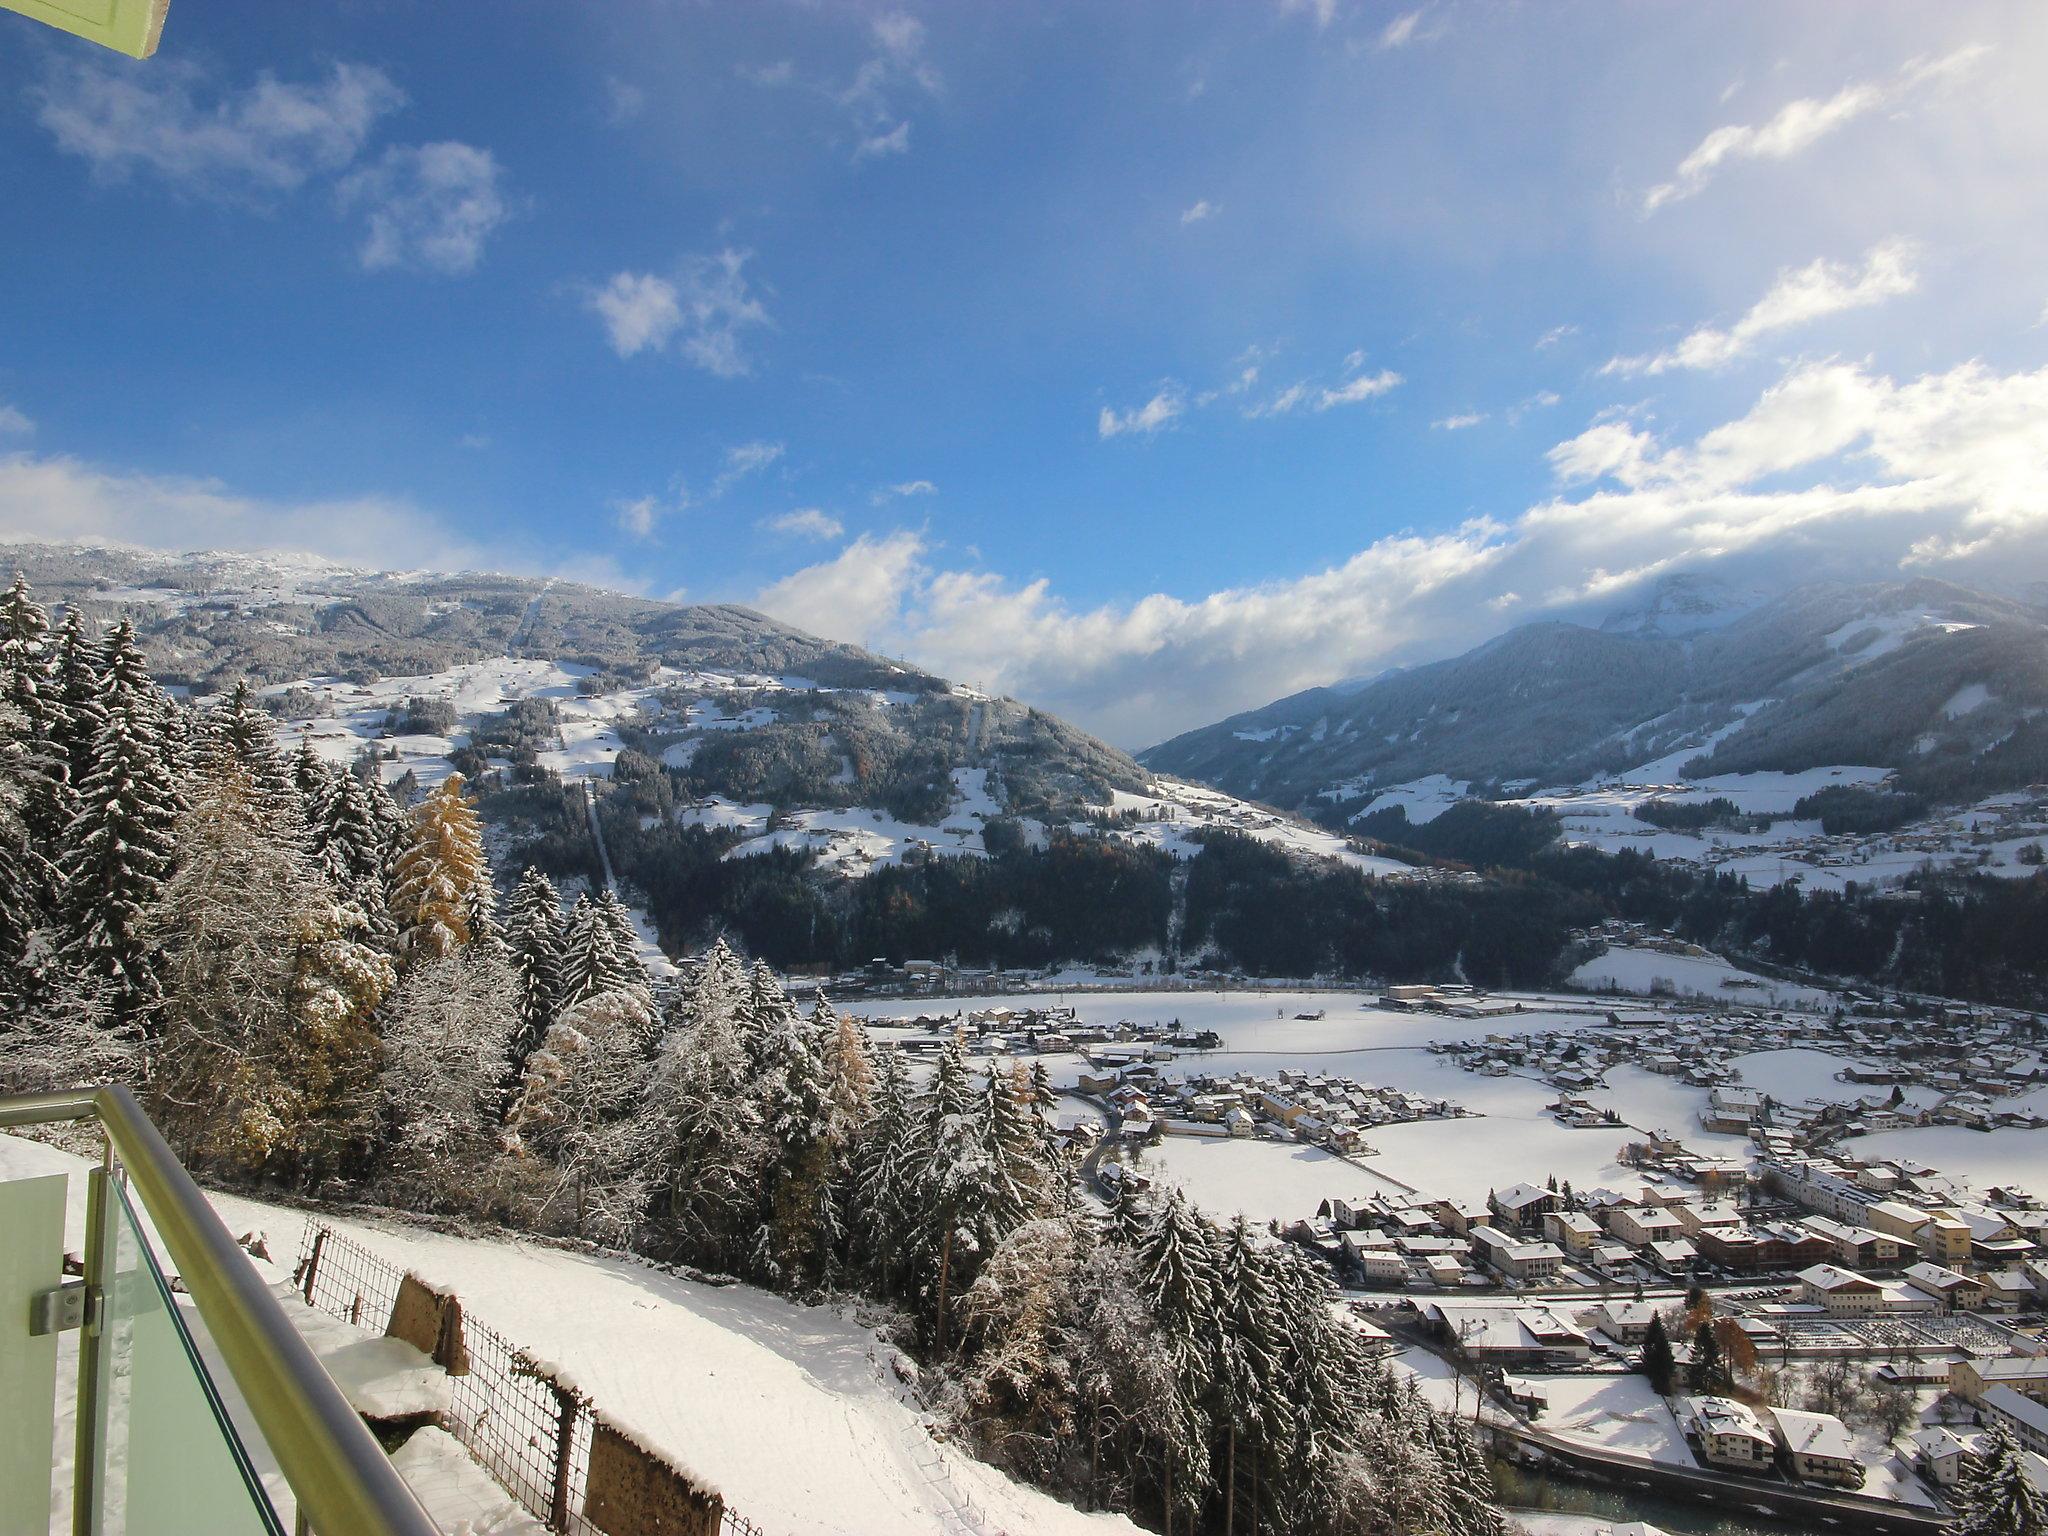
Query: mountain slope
<point x="1944" y="686"/>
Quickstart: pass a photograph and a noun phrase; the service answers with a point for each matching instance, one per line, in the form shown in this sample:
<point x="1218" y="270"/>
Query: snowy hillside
<point x="796" y="1414"/>
<point x="1922" y="678"/>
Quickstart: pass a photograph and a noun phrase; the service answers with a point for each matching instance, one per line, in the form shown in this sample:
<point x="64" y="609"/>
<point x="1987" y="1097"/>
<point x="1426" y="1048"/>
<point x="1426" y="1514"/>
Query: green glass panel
<point x="126" y="26"/>
<point x="173" y="1463"/>
<point x="31" y="1263"/>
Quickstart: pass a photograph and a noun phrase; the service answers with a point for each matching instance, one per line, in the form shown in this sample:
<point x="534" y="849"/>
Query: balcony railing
<point x="154" y="1447"/>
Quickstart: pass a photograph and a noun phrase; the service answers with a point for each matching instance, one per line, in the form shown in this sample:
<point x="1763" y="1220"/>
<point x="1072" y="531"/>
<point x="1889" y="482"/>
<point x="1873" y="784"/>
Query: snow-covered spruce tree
<point x="113" y="860"/>
<point x="28" y="682"/>
<point x="701" y="1089"/>
<point x="1175" y="1274"/>
<point x="533" y="934"/>
<point x="437" y="874"/>
<point x="1123" y="1373"/>
<point x="600" y="950"/>
<point x="879" y="1179"/>
<point x="350" y="843"/>
<point x="81" y="707"/>
<point x="1994" y="1496"/>
<point x="796" y="1126"/>
<point x="585" y="1118"/>
<point x="1253" y="1407"/>
<point x="847" y="1059"/>
<point x="947" y="1181"/>
<point x="269" y="1055"/>
<point x="445" y="1031"/>
<point x="25" y="876"/>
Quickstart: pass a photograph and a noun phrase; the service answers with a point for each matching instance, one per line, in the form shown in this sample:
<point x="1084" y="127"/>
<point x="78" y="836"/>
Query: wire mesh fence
<point x="525" y="1423"/>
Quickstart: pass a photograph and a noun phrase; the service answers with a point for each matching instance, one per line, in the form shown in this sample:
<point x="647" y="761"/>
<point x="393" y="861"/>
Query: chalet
<point x="1955" y="1292"/>
<point x="1573" y="1231"/>
<point x="1531" y="1337"/>
<point x="1840" y="1292"/>
<point x="1856" y="1247"/>
<point x="1819" y="1447"/>
<point x="1675" y="1256"/>
<point x="1626" y="1322"/>
<point x="1730" y="1434"/>
<point x="1641" y="1225"/>
<point x="1517" y="1260"/>
<point x="1971" y="1378"/>
<point x="2024" y="1418"/>
<point x="1522" y="1206"/>
<point x="1461" y="1216"/>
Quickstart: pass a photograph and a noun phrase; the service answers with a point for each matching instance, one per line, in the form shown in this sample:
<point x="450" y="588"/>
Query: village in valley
<point x="1728" y="1237"/>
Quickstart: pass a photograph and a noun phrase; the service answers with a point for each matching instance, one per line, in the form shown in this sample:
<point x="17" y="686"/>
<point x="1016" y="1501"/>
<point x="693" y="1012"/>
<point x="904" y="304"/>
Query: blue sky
<point x="1145" y="361"/>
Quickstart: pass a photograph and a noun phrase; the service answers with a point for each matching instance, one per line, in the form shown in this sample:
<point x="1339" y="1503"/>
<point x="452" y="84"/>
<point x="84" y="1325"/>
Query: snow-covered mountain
<point x="1943" y="687"/>
<point x="772" y="738"/>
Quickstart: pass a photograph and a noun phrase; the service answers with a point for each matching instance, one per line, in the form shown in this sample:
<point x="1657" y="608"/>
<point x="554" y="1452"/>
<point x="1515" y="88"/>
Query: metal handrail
<point x="344" y="1483"/>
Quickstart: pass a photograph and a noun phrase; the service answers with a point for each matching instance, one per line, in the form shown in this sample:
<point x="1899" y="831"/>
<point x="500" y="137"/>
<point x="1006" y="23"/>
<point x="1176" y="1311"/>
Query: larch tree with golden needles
<point x="439" y="874"/>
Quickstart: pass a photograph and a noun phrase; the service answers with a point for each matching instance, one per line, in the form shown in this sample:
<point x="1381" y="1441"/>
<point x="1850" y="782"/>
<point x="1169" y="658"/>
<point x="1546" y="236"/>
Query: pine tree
<point x="881" y="1181"/>
<point x="1708" y="1374"/>
<point x="39" y="763"/>
<point x="1176" y="1278"/>
<point x="796" y="1124"/>
<point x="1995" y="1496"/>
<point x="81" y="707"/>
<point x="115" y="857"/>
<point x="701" y="1081"/>
<point x="599" y="949"/>
<point x="437" y="876"/>
<point x="533" y="931"/>
<point x="947" y="1178"/>
<point x="1660" y="1364"/>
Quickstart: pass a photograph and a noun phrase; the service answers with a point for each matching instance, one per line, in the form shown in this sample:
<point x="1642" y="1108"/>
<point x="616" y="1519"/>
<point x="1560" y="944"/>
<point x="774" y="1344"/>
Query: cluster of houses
<point x="1732" y="1435"/>
<point x="1003" y="1031"/>
<point x="1317" y="1108"/>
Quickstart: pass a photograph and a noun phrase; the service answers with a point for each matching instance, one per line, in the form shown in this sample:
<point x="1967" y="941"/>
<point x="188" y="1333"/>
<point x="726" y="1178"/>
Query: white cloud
<point x="1459" y="423"/>
<point x="1203" y="209"/>
<point x="639" y="311"/>
<point x="1324" y="11"/>
<point x="894" y="142"/>
<point x="232" y="145"/>
<point x="1833" y="470"/>
<point x="1402" y="31"/>
<point x="859" y="592"/>
<point x="1279" y="405"/>
<point x="1802" y="123"/>
<point x="898" y="68"/>
<point x="428" y="206"/>
<point x="1799" y="295"/>
<point x="1554" y="335"/>
<point x="60" y="499"/>
<point x="14" y="422"/>
<point x="474" y="440"/>
<point x="705" y="309"/>
<point x="744" y="459"/>
<point x="1543" y="399"/>
<point x="638" y="516"/>
<point x="623" y="101"/>
<point x="1162" y="410"/>
<point x="805" y="523"/>
<point x="1364" y="387"/>
<point x="903" y="488"/>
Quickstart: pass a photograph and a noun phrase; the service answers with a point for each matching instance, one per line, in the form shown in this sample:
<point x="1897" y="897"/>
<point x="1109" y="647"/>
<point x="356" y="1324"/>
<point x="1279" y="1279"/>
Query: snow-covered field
<point x="1508" y="1139"/>
<point x="1628" y="969"/>
<point x="1984" y="1158"/>
<point x="792" y="1412"/>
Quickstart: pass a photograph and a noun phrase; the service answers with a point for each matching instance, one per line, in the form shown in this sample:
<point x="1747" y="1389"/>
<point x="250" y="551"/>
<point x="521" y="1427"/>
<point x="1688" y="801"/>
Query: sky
<point x="1146" y="361"/>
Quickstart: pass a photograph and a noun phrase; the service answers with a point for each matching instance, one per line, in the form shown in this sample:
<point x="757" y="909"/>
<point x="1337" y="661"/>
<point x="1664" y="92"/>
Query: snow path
<point x="793" y="1412"/>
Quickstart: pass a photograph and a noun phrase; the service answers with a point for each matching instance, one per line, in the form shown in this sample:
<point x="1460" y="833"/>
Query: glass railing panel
<point x="31" y="1266"/>
<point x="172" y="1463"/>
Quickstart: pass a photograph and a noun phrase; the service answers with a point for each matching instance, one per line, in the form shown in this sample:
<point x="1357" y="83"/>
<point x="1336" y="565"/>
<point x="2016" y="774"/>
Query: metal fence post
<point x="566" y="1408"/>
<point x="88" y="1468"/>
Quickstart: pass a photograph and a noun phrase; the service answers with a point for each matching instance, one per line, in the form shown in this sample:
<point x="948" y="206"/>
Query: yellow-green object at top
<point x="127" y="26"/>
